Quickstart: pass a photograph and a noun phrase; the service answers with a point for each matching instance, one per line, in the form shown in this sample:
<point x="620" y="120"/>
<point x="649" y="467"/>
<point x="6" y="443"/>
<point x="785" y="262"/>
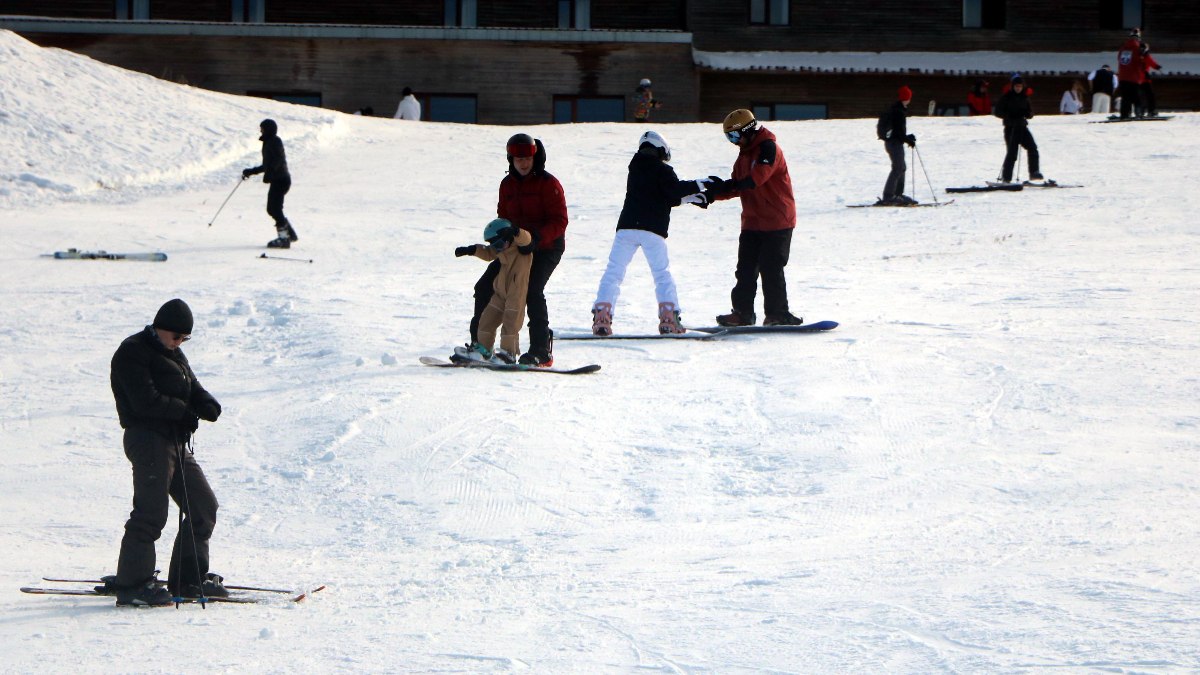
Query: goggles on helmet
<point x="522" y="149"/>
<point x="736" y="135"/>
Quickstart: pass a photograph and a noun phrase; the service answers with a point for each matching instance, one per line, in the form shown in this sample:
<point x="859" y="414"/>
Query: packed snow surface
<point x="991" y="466"/>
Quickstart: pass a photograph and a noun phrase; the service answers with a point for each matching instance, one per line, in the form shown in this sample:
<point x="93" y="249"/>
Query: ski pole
<point x="911" y="160"/>
<point x="923" y="170"/>
<point x="235" y="187"/>
<point x="281" y="257"/>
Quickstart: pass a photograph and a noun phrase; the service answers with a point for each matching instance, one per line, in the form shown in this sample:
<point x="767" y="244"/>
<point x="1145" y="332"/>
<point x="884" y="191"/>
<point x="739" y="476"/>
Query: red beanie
<point x="904" y="94"/>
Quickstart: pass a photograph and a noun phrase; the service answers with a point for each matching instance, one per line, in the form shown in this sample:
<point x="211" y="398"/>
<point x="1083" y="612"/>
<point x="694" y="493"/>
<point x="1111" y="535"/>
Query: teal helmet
<point x="493" y="228"/>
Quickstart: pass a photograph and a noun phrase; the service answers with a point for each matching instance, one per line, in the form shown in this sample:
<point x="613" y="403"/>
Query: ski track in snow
<point x="990" y="466"/>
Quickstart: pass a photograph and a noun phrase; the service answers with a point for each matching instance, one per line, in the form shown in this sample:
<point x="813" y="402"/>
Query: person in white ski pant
<point x="654" y="247"/>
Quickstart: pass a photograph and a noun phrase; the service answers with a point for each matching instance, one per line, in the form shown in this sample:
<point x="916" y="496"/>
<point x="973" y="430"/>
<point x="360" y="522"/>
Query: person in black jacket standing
<point x="159" y="402"/>
<point x="1016" y="111"/>
<point x="892" y="129"/>
<point x="274" y="169"/>
<point x="651" y="191"/>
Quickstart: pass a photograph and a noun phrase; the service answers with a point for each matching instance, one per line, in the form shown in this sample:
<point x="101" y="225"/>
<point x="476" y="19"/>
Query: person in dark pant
<point x="159" y="403"/>
<point x="892" y="129"/>
<point x="760" y="179"/>
<point x="1016" y="111"/>
<point x="533" y="200"/>
<point x="1131" y="72"/>
<point x="274" y="169"/>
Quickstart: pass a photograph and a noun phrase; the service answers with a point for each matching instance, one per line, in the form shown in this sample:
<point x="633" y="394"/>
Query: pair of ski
<point x="242" y="595"/>
<point x="998" y="186"/>
<point x="899" y="206"/>
<point x="76" y="254"/>
<point x="1144" y="118"/>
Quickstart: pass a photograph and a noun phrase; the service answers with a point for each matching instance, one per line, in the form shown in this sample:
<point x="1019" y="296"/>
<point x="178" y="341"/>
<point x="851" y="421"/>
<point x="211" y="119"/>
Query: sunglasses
<point x="498" y="243"/>
<point x="181" y="337"/>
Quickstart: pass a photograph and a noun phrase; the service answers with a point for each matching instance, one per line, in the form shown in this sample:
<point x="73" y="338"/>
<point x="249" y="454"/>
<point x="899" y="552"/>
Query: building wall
<point x="514" y="82"/>
<point x="936" y="25"/>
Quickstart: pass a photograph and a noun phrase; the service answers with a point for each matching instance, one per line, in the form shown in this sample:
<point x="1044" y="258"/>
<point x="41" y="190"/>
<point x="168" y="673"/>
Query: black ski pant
<point x="1129" y="92"/>
<point x="894" y="186"/>
<point x="1015" y="137"/>
<point x="1149" y="105"/>
<point x="542" y="267"/>
<point x="159" y="477"/>
<point x="279" y="188"/>
<point x="762" y="254"/>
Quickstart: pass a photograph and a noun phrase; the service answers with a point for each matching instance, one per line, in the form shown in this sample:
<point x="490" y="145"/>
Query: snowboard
<point x="513" y="367"/>
<point x="690" y="335"/>
<point x="817" y="327"/>
<point x="989" y="187"/>
<point x="899" y="206"/>
<point x="1048" y="184"/>
<point x="76" y="254"/>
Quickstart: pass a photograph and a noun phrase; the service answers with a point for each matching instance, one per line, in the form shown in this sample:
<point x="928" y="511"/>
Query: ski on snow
<point x="240" y="599"/>
<point x="817" y="327"/>
<point x="899" y="206"/>
<point x="457" y="362"/>
<point x="259" y="589"/>
<point x="76" y="254"/>
<point x="990" y="187"/>
<point x="1033" y="184"/>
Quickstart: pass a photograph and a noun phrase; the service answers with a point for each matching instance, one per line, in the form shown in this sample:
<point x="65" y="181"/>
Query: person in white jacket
<point x="1072" y="102"/>
<point x="410" y="107"/>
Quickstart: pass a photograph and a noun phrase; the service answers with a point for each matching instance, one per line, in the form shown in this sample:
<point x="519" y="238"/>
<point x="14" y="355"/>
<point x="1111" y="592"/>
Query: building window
<point x="460" y="108"/>
<point x="769" y="12"/>
<point x="790" y="111"/>
<point x="1118" y="14"/>
<point x="984" y="14"/>
<point x="133" y="10"/>
<point x="461" y="13"/>
<point x="589" y="109"/>
<point x="575" y="14"/>
<point x="249" y="11"/>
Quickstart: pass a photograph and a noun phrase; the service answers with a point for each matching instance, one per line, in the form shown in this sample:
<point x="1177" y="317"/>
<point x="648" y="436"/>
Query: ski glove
<point x="911" y="140"/>
<point x="190" y="423"/>
<point x="533" y="242"/>
<point x="464" y="250"/>
<point x="209" y="411"/>
<point x="699" y="199"/>
<point x="246" y="173"/>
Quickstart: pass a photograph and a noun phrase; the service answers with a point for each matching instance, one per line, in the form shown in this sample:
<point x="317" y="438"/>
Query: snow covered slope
<point x="990" y="466"/>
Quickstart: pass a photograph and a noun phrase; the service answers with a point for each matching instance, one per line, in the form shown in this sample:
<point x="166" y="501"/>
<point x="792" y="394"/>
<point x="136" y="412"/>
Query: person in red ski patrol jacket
<point x="1131" y="72"/>
<point x="978" y="99"/>
<point x="760" y="179"/>
<point x="532" y="200"/>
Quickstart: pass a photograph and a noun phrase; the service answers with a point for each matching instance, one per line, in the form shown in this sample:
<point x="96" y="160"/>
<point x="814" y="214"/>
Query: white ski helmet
<point x="645" y="82"/>
<point x="652" y="138"/>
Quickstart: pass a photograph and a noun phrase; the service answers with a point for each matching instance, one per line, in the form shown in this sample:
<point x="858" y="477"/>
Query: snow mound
<point x="77" y="129"/>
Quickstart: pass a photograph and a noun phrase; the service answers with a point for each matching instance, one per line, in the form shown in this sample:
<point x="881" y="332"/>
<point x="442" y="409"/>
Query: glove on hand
<point x="246" y="173"/>
<point x="208" y="411"/>
<point x="911" y="140"/>
<point x="699" y="199"/>
<point x="464" y="250"/>
<point x="533" y="242"/>
<point x="190" y="422"/>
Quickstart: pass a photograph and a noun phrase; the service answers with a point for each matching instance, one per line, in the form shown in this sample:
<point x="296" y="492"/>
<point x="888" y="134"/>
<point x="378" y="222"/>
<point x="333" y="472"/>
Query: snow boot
<point x="291" y="233"/>
<point x="540" y="357"/>
<point x="211" y="588"/>
<point x="502" y="357"/>
<point x="736" y="318"/>
<point x="602" y="319"/>
<point x="280" y="241"/>
<point x="474" y="351"/>
<point x="782" y="319"/>
<point x="669" y="322"/>
<point x="148" y="594"/>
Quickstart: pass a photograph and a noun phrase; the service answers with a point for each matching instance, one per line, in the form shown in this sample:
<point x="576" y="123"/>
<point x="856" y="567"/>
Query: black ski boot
<point x="736" y="318"/>
<point x="148" y="594"/>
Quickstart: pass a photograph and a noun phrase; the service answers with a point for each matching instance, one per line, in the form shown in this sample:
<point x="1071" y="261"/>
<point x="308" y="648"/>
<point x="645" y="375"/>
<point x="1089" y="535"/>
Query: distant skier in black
<point x="892" y="129"/>
<point x="159" y="404"/>
<point x="274" y="169"/>
<point x="1016" y="111"/>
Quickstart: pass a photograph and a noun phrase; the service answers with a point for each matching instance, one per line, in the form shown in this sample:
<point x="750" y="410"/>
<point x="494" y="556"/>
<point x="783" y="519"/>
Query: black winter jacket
<point x="893" y="125"/>
<point x="274" y="160"/>
<point x="154" y="387"/>
<point x="1015" y="109"/>
<point x="651" y="191"/>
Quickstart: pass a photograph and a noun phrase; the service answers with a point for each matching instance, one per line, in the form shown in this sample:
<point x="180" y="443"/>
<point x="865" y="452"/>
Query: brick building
<point x="542" y="61"/>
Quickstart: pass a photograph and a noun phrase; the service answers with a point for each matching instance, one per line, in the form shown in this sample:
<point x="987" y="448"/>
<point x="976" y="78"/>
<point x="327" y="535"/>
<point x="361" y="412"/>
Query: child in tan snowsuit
<point x="506" y="310"/>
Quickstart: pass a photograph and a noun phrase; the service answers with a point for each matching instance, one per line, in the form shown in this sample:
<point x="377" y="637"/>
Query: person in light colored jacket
<point x="410" y="107"/>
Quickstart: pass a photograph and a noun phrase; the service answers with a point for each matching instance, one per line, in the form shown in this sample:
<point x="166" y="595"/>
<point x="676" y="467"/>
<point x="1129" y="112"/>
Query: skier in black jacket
<point x="1016" y="110"/>
<point x="892" y="129"/>
<point x="159" y="402"/>
<point x="274" y="169"/>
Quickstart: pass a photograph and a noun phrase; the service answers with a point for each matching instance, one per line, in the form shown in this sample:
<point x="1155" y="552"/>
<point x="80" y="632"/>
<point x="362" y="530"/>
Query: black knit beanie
<point x="174" y="316"/>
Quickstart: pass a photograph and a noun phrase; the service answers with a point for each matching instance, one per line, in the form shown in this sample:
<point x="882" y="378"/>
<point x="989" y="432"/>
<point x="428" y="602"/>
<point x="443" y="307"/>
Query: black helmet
<point x="521" y="145"/>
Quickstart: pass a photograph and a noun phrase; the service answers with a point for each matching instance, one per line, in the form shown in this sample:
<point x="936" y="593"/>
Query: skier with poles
<point x="274" y="169"/>
<point x="159" y="404"/>
<point x="1016" y="110"/>
<point x="892" y="129"/>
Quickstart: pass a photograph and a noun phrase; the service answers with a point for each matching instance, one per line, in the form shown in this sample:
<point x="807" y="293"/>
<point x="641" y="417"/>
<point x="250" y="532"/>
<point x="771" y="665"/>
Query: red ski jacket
<point x="537" y="203"/>
<point x="769" y="204"/>
<point x="1129" y="62"/>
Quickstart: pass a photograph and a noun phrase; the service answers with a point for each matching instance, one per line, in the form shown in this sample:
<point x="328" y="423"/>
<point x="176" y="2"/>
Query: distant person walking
<point x="1103" y="82"/>
<point x="409" y="108"/>
<point x="275" y="173"/>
